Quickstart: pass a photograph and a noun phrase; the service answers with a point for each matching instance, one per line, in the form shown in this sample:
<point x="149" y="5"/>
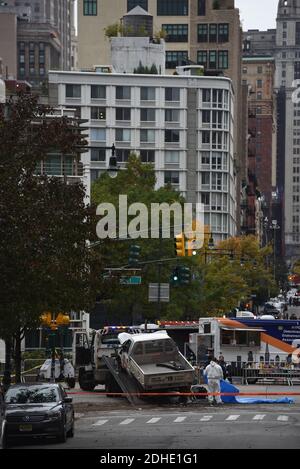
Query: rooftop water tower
<point x="138" y="22"/>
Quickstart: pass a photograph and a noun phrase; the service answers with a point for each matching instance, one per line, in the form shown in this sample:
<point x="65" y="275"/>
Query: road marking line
<point x="100" y="422"/>
<point x="233" y="417"/>
<point x="283" y="418"/>
<point x="154" y="420"/>
<point x="206" y="418"/>
<point x="127" y="421"/>
<point x="259" y="417"/>
<point x="179" y="419"/>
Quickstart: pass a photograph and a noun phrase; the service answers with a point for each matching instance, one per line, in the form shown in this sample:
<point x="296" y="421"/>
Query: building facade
<point x="183" y="125"/>
<point x="39" y="38"/>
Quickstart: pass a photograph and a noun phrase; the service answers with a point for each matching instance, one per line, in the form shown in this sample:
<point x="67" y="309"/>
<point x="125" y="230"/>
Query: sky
<point x="257" y="14"/>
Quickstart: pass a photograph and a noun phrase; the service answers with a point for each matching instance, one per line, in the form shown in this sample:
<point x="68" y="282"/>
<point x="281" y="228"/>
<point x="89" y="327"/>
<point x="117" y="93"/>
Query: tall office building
<point x="288" y="171"/>
<point x="39" y="38"/>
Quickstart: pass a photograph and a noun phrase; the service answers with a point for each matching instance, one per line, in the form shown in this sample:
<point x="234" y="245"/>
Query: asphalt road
<point x="255" y="427"/>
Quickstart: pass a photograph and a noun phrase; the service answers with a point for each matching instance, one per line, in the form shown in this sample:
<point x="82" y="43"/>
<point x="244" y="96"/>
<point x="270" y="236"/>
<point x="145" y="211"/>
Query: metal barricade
<point x="271" y="374"/>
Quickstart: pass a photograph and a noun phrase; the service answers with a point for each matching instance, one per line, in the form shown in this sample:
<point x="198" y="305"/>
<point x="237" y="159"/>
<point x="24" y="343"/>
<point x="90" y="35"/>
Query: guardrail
<point x="276" y="375"/>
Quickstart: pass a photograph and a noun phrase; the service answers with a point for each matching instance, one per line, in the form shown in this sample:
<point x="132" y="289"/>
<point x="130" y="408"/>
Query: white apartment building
<point x="183" y="125"/>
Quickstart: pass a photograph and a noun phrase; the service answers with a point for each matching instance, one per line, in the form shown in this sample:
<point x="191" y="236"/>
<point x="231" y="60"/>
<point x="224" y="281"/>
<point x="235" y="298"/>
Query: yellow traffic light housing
<point x="63" y="319"/>
<point x="180" y="245"/>
<point x="46" y="319"/>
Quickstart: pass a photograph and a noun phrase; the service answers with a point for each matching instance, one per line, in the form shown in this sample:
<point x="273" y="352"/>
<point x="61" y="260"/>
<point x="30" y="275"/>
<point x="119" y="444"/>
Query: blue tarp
<point x="227" y="387"/>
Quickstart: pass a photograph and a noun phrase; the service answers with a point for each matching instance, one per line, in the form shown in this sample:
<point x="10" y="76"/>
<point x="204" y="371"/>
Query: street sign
<point x="154" y="293"/>
<point x="130" y="280"/>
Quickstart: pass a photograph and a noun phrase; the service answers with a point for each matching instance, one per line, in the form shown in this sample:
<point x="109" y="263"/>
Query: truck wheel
<point x="86" y="381"/>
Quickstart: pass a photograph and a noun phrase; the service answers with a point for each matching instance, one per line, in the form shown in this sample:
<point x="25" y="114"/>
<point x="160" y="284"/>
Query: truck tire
<point x="86" y="381"/>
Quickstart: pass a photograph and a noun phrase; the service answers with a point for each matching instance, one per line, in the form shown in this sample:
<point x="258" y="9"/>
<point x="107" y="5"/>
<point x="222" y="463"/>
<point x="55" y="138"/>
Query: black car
<point x="270" y="309"/>
<point x="36" y="410"/>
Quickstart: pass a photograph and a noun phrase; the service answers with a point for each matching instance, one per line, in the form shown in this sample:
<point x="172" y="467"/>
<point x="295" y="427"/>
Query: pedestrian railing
<point x="276" y="375"/>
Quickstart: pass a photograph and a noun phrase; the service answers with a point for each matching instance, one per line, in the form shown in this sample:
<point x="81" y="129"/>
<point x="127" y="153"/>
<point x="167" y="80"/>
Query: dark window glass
<point x="133" y="3"/>
<point x="297" y="70"/>
<point x="147" y="115"/>
<point x="98" y="154"/>
<point x="175" y="58"/>
<point x="297" y="34"/>
<point x="212" y="59"/>
<point x="206" y="95"/>
<point x="90" y="7"/>
<point x="98" y="92"/>
<point x="201" y="7"/>
<point x="172" y="7"/>
<point x="202" y="57"/>
<point x="223" y="59"/>
<point x="123" y="114"/>
<point x="73" y="91"/>
<point x="212" y="33"/>
<point x="223" y="32"/>
<point x="202" y="32"/>
<point x="147" y="156"/>
<point x="147" y="93"/>
<point x="176" y="32"/>
<point x="171" y="177"/>
<point x="123" y="92"/>
<point x="98" y="113"/>
<point x="172" y="115"/>
<point x="122" y="155"/>
<point x="172" y="94"/>
<point x="172" y="135"/>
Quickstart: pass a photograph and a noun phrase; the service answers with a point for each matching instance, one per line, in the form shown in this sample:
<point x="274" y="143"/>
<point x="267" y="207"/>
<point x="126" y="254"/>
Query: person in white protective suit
<point x="214" y="374"/>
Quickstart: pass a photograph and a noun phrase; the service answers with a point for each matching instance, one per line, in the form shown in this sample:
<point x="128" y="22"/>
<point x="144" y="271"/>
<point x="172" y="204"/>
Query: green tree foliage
<point x="44" y="223"/>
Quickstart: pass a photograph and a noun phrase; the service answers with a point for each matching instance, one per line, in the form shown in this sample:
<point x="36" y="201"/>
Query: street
<point x="255" y="427"/>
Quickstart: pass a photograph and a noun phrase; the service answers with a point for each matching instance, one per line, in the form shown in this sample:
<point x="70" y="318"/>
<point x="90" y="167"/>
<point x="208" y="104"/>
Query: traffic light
<point x="46" y="319"/>
<point x="180" y="245"/>
<point x="134" y="255"/>
<point x="184" y="275"/>
<point x="175" y="277"/>
<point x="192" y="251"/>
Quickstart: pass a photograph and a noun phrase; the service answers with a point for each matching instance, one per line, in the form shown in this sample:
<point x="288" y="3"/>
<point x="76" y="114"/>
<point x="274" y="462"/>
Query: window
<point x="206" y="137"/>
<point x="147" y="156"/>
<point x="172" y="94"/>
<point x="217" y="140"/>
<point x="98" y="92"/>
<point x="98" y="154"/>
<point x="171" y="177"/>
<point x="133" y="3"/>
<point x="202" y="57"/>
<point x="206" y="117"/>
<point x="90" y="7"/>
<point x="123" y="114"/>
<point x="147" y="93"/>
<point x="205" y="198"/>
<point x="259" y="69"/>
<point x="73" y="91"/>
<point x="202" y="32"/>
<point x="147" y="115"/>
<point x="98" y="113"/>
<point x="176" y="32"/>
<point x="212" y="33"/>
<point x="172" y="136"/>
<point x="297" y="70"/>
<point x="175" y="58"/>
<point x="223" y="59"/>
<point x="201" y="7"/>
<point x="205" y="179"/>
<point x="123" y="135"/>
<point x="172" y="157"/>
<point x="205" y="158"/>
<point x="259" y="95"/>
<point x="123" y="92"/>
<point x="206" y="95"/>
<point x="259" y="83"/>
<point x="172" y="7"/>
<point x="297" y="39"/>
<point x="147" y="135"/>
<point x="98" y="135"/>
<point x="172" y="115"/>
<point x="223" y="32"/>
<point x="212" y="63"/>
<point x="122" y="155"/>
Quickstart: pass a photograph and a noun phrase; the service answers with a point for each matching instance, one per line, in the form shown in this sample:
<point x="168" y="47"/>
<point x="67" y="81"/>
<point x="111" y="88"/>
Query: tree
<point x="46" y="264"/>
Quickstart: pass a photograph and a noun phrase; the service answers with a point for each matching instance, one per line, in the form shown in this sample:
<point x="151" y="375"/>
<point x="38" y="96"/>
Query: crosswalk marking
<point x="233" y="417"/>
<point x="259" y="417"/>
<point x="206" y="418"/>
<point x="127" y="421"/>
<point x="179" y="419"/>
<point x="154" y="420"/>
<point x="283" y="418"/>
<point x="100" y="422"/>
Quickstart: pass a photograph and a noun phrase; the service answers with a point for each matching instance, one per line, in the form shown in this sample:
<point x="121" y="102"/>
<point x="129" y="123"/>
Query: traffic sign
<point x="130" y="280"/>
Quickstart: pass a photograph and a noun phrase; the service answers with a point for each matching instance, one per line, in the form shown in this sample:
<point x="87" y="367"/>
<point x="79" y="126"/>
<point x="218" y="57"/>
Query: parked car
<point x="36" y="410"/>
<point x="270" y="309"/>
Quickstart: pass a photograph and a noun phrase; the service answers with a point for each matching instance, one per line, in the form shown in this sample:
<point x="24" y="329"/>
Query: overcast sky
<point x="257" y="14"/>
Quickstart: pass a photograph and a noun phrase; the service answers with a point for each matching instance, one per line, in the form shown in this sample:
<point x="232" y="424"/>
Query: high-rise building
<point x="38" y="39"/>
<point x="182" y="124"/>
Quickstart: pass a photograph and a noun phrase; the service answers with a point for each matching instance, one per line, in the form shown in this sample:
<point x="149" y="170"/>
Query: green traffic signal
<point x="181" y="276"/>
<point x="134" y="255"/>
<point x="175" y="277"/>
